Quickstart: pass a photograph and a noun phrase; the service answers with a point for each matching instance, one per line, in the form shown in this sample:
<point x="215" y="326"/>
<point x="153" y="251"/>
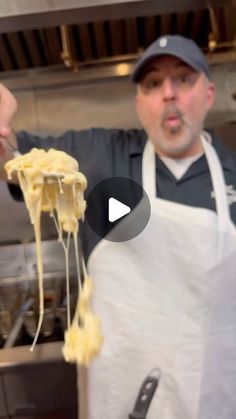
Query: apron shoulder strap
<point x="218" y="182"/>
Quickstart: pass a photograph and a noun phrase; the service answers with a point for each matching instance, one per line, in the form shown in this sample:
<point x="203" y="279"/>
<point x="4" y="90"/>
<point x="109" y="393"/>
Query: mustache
<point x="170" y="111"/>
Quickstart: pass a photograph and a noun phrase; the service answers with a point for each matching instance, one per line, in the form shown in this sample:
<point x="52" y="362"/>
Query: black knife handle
<point x="145" y="395"/>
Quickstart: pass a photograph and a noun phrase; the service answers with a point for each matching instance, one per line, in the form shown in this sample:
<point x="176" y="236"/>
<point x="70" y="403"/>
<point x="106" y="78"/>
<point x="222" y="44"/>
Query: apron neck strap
<point x="216" y="172"/>
<point x="149" y="170"/>
<point x="218" y="182"/>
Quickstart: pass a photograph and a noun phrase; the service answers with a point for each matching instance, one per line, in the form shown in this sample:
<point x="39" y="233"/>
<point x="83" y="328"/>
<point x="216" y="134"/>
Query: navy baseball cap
<point x="178" y="46"/>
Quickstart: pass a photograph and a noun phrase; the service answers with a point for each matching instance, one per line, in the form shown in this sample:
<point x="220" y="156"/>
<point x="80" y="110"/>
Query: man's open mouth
<point x="172" y="120"/>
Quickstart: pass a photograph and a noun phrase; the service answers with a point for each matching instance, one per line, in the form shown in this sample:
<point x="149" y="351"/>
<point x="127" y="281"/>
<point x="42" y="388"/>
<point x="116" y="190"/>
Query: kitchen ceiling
<point x="124" y="30"/>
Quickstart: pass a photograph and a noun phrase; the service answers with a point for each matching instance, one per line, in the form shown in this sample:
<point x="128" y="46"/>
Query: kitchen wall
<point x="68" y="102"/>
<point x="57" y="109"/>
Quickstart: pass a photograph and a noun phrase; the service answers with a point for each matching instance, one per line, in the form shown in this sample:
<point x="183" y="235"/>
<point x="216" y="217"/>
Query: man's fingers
<point x="5" y="132"/>
<point x="8" y="107"/>
<point x="3" y="150"/>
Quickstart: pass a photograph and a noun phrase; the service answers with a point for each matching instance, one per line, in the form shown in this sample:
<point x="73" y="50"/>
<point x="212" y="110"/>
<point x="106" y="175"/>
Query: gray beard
<point x="175" y="149"/>
<point x="175" y="130"/>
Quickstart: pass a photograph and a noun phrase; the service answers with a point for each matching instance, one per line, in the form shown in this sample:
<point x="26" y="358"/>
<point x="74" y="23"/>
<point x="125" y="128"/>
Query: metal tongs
<point x="53" y="177"/>
<point x="56" y="177"/>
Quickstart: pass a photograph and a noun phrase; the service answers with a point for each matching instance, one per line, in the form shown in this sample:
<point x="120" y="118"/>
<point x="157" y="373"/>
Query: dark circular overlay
<point x="127" y="192"/>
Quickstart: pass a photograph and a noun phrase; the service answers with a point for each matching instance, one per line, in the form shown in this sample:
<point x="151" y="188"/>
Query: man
<point x="167" y="297"/>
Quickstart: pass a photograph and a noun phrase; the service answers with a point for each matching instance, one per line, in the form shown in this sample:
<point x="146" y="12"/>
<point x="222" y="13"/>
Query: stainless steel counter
<point x="21" y="355"/>
<point x="38" y="384"/>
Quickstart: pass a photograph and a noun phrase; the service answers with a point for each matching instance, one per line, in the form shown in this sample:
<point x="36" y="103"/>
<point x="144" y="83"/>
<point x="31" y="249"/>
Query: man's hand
<point x="8" y="107"/>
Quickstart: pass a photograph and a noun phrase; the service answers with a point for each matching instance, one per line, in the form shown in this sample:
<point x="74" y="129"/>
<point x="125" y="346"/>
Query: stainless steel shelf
<point x="38" y="384"/>
<point x="21" y="355"/>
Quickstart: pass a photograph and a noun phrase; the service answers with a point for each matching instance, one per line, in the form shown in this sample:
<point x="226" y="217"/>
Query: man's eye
<point x="184" y="78"/>
<point x="153" y="83"/>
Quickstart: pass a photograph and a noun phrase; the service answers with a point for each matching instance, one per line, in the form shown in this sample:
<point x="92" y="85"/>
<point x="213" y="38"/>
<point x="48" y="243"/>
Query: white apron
<point x="167" y="299"/>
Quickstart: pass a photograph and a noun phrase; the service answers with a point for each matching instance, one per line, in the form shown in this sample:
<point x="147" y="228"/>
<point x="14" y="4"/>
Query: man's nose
<point x="168" y="90"/>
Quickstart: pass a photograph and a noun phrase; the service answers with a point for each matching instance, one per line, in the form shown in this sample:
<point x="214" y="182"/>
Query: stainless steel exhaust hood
<point x="17" y="15"/>
<point x="103" y="29"/>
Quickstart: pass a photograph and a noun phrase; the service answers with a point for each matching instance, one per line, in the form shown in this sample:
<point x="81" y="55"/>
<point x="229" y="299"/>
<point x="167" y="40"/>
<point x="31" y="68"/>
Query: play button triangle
<point x="116" y="209"/>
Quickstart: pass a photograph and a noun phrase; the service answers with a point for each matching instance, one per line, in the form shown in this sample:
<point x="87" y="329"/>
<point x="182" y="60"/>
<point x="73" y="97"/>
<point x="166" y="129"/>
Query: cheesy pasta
<point x="51" y="182"/>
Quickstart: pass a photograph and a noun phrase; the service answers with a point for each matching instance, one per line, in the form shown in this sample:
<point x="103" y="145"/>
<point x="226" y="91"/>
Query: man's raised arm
<point x="8" y="107"/>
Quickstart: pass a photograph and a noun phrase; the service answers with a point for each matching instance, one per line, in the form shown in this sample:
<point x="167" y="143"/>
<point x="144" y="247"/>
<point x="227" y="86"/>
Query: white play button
<point x="116" y="209"/>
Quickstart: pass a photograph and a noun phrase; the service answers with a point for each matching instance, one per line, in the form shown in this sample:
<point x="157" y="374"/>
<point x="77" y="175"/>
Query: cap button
<point x="163" y="42"/>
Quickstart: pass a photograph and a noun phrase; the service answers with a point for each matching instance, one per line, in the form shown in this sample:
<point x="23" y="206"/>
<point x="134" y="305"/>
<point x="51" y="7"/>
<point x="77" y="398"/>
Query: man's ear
<point x="210" y="94"/>
<point x="136" y="100"/>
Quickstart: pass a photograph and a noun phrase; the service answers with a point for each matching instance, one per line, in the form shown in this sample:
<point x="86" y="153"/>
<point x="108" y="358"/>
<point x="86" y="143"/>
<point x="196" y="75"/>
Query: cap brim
<point x="140" y="67"/>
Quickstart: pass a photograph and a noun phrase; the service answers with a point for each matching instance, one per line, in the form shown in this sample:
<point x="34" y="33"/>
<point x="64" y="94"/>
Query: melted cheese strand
<point x="35" y="215"/>
<point x="85" y="272"/>
<point x="76" y="247"/>
<point x="40" y="277"/>
<point x="66" y="249"/>
<point x="66" y="254"/>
